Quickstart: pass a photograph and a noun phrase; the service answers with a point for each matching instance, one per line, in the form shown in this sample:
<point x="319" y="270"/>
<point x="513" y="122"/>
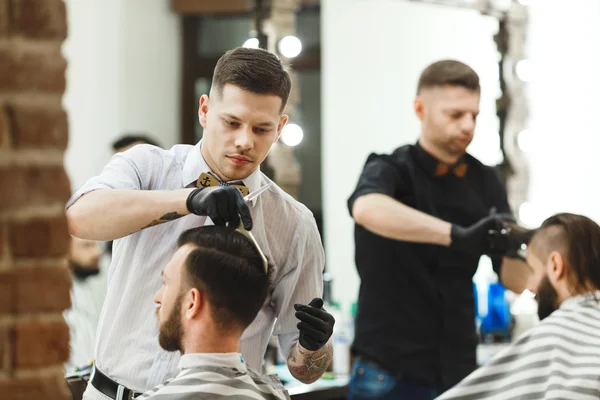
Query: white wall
<point x="123" y="75"/>
<point x="565" y="105"/>
<point x="373" y="53"/>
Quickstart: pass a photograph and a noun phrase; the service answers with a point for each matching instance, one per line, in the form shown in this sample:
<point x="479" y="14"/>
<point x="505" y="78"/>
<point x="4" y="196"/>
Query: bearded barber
<point x="145" y="198"/>
<point x="422" y="222"/>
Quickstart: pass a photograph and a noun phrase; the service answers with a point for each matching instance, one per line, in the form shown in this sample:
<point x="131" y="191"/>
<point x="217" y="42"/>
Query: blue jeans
<point x="368" y="381"/>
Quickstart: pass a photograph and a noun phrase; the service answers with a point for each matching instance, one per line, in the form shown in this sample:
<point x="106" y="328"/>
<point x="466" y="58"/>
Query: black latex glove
<point x="223" y="204"/>
<point x="315" y="326"/>
<point x="515" y="238"/>
<point x="483" y="237"/>
<point x="511" y="237"/>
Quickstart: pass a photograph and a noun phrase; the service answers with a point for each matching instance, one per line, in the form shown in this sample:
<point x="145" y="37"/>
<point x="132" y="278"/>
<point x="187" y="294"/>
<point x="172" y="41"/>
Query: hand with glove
<point x="315" y="326"/>
<point x="487" y="236"/>
<point x="222" y="204"/>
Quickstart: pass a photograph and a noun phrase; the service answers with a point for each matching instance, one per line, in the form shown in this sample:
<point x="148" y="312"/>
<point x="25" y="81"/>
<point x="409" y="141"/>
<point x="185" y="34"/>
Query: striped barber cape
<point x="217" y="376"/>
<point x="557" y="359"/>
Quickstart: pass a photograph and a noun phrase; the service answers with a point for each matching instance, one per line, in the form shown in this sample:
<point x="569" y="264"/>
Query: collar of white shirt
<point x="195" y="165"/>
<point x="226" y="360"/>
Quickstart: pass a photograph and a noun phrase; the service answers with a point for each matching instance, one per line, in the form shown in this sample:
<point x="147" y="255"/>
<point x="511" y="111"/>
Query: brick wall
<point x="34" y="279"/>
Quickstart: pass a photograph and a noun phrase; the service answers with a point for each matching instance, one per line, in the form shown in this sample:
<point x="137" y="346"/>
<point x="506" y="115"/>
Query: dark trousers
<point x="369" y="381"/>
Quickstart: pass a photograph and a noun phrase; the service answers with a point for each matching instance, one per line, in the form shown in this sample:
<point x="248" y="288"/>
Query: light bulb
<point x="530" y="215"/>
<point x="525" y="141"/>
<point x="524" y="70"/>
<point x="292" y="135"/>
<point x="251" y="43"/>
<point x="290" y="46"/>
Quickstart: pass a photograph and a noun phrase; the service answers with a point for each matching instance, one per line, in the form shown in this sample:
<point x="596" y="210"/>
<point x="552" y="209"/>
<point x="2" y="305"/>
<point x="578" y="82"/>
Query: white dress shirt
<point x="87" y="296"/>
<point x="127" y="348"/>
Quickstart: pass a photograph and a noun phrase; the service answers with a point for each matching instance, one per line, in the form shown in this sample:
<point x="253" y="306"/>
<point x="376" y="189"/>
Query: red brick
<point x="39" y="19"/>
<point x="33" y="185"/>
<point x="4" y="348"/>
<point x="4" y="18"/>
<point x="42" y="289"/>
<point x="33" y="126"/>
<point x="40" y="343"/>
<point x="2" y="244"/>
<point x="51" y="387"/>
<point x="7" y="293"/>
<point x="3" y="128"/>
<point x="32" y="70"/>
<point x="41" y="237"/>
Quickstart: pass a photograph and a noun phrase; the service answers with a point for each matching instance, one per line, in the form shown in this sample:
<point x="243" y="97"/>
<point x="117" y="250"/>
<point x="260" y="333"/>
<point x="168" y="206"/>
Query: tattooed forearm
<point x="165" y="218"/>
<point x="308" y="366"/>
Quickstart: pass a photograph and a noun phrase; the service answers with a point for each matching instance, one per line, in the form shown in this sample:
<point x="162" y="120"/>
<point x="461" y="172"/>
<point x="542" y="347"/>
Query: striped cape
<point x="557" y="359"/>
<point x="218" y="382"/>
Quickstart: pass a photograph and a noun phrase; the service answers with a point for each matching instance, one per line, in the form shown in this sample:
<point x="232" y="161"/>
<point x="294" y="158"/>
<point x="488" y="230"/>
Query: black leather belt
<point x="111" y="388"/>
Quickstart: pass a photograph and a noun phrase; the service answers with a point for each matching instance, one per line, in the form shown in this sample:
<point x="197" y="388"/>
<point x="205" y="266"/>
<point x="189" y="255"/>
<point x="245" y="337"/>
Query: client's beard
<point x="82" y="271"/>
<point x="170" y="332"/>
<point x="547" y="298"/>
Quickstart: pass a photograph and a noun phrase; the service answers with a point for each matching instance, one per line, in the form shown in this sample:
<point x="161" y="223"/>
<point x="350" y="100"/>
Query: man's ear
<point x="282" y="121"/>
<point x="557" y="270"/>
<point x="196" y="303"/>
<point x="419" y="107"/>
<point x="203" y="110"/>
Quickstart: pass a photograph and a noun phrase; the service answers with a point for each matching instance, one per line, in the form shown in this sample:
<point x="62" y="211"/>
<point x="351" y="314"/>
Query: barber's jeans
<point x="371" y="382"/>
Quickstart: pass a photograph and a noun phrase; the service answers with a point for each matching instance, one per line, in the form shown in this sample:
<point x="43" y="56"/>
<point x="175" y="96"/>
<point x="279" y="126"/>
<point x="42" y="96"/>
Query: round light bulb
<point x="292" y="135"/>
<point x="290" y="46"/>
<point x="530" y="215"/>
<point x="251" y="43"/>
<point x="524" y="70"/>
<point x="525" y="141"/>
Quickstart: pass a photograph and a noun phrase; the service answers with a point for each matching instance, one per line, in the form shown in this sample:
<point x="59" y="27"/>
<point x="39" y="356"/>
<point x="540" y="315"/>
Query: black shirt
<point x="416" y="314"/>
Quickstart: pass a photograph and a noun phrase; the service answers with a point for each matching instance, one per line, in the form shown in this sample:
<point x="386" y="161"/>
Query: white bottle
<point x="341" y="345"/>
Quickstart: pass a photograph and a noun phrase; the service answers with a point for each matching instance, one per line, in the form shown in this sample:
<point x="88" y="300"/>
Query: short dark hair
<point x="448" y="72"/>
<point x="254" y="70"/>
<point x="227" y="268"/>
<point x="128" y="139"/>
<point x="577" y="238"/>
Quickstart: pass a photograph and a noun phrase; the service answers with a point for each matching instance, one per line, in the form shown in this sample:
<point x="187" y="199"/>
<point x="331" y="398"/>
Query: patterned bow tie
<point x="208" y="179"/>
<point x="459" y="170"/>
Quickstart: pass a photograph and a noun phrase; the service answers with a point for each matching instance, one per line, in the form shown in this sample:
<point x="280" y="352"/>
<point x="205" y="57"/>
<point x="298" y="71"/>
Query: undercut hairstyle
<point x="129" y="139"/>
<point x="577" y="239"/>
<point x="254" y="70"/>
<point x="228" y="270"/>
<point x="448" y="73"/>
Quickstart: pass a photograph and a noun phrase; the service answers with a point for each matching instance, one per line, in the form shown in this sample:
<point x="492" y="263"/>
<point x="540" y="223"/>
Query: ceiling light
<point x="251" y="43"/>
<point x="292" y="134"/>
<point x="290" y="46"/>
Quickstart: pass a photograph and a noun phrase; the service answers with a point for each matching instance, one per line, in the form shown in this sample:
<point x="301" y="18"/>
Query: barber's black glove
<point x="483" y="237"/>
<point x="315" y="326"/>
<point x="518" y="239"/>
<point x="223" y="204"/>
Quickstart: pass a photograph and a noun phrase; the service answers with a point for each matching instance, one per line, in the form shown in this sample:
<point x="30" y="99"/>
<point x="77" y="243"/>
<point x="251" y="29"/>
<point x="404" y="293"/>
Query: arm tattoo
<point x="165" y="218"/>
<point x="308" y="366"/>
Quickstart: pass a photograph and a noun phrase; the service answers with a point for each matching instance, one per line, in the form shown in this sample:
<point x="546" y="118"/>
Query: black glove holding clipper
<point x="222" y="204"/>
<point x="495" y="235"/>
<point x="315" y="326"/>
<point x="479" y="238"/>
